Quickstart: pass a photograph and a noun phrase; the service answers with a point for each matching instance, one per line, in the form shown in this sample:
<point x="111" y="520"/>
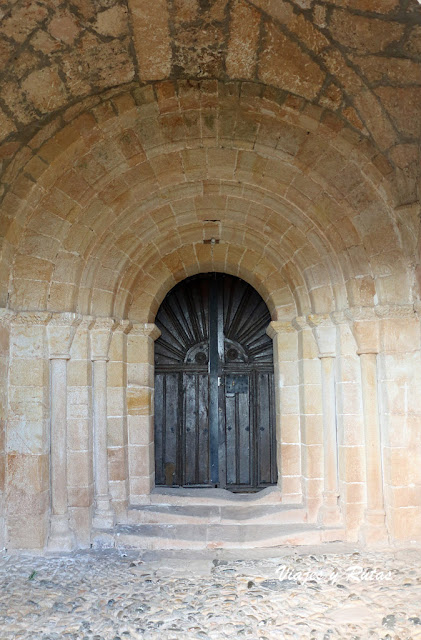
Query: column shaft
<point x="372" y="432"/>
<point x="103" y="516"/>
<point x="58" y="437"/>
<point x="330" y="513"/>
<point x="61" y="329"/>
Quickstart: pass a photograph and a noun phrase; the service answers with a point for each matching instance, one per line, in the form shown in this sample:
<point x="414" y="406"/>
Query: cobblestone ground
<point x="170" y="596"/>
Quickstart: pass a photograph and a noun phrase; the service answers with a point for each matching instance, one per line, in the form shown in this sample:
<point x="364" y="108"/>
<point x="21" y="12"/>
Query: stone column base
<point x="373" y="531"/>
<point x="329" y="513"/>
<point x="61" y="537"/>
<point x="104" y="517"/>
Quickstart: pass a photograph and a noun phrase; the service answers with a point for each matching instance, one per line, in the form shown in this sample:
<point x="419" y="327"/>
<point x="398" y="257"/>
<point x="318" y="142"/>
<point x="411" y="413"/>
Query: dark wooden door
<point x="214" y="393"/>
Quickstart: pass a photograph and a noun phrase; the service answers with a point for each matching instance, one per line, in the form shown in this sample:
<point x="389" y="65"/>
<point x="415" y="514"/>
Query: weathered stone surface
<point x="45" y="90"/>
<point x="6" y="126"/>
<point x="199" y="50"/>
<point x="242" y="48"/>
<point x="283" y="64"/>
<point x="112" y="21"/>
<point x="23" y="21"/>
<point x="377" y="6"/>
<point x="350" y="592"/>
<point x="397" y="71"/>
<point x="413" y="43"/>
<point x="152" y="45"/>
<point x="308" y="34"/>
<point x="404" y="105"/>
<point x="64" y="27"/>
<point x="306" y="174"/>
<point x="364" y="34"/>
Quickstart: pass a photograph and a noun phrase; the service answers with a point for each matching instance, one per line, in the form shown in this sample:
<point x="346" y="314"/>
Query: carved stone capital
<point x="325" y="334"/>
<point x="123" y="326"/>
<point x="387" y="311"/>
<point x="101" y="330"/>
<point x="354" y="314"/>
<point x="366" y="329"/>
<point x="61" y="330"/>
<point x="28" y="318"/>
<point x="339" y="317"/>
<point x="148" y="330"/>
<point x="299" y="323"/>
<point x="6" y="317"/>
<point x="276" y="327"/>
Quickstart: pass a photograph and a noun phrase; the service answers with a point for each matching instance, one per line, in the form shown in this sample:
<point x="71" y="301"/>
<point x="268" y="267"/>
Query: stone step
<point x="213" y="497"/>
<point x="217" y="536"/>
<point x="203" y="514"/>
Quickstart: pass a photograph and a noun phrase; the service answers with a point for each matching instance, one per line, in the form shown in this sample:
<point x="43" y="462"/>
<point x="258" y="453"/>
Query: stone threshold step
<point x="213" y="514"/>
<point x="216" y="497"/>
<point x="215" y="536"/>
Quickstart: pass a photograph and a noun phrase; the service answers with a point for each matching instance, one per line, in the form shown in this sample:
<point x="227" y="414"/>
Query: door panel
<point x="166" y="426"/>
<point x="195" y="466"/>
<point x="214" y="413"/>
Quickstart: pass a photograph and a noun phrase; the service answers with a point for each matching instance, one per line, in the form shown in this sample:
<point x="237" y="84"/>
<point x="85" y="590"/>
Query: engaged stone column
<point x="365" y="328"/>
<point x="325" y="334"/>
<point x="61" y="330"/>
<point x="5" y="318"/>
<point x="140" y="409"/>
<point x="285" y="357"/>
<point x="100" y="334"/>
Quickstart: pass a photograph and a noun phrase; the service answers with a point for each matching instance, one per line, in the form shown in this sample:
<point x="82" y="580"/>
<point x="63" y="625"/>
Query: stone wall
<point x="274" y="140"/>
<point x="328" y="462"/>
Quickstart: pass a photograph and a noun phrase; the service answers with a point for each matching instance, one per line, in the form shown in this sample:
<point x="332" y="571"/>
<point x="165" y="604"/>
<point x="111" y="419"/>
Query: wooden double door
<point x="214" y="388"/>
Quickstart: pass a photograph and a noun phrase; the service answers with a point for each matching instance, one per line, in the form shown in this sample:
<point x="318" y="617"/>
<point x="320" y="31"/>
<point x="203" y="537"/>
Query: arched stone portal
<point x="109" y="206"/>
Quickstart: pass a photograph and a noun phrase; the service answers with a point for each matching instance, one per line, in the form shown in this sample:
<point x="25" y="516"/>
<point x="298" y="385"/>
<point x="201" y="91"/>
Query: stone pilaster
<point x="27" y="438"/>
<point x="325" y="334"/>
<point x="117" y="418"/>
<point x="5" y="319"/>
<point x="140" y="410"/>
<point x="365" y="327"/>
<point x="100" y="337"/>
<point x="285" y="351"/>
<point x="399" y="373"/>
<point x="311" y="417"/>
<point x="60" y="330"/>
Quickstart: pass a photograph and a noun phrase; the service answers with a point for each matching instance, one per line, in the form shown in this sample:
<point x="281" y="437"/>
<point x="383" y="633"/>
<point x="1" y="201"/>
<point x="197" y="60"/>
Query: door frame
<point x="140" y="411"/>
<point x="219" y="366"/>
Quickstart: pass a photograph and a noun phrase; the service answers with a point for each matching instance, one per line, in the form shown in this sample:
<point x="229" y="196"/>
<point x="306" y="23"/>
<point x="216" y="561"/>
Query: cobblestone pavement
<point x="175" y="596"/>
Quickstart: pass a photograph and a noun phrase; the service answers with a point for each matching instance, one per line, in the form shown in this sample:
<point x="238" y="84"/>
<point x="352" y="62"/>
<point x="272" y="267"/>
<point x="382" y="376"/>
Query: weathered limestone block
<point x="366" y="329"/>
<point x="117" y="434"/>
<point x="285" y="350"/>
<point x="311" y="416"/>
<point x="61" y="329"/>
<point x="350" y="428"/>
<point x="325" y="334"/>
<point x="100" y="338"/>
<point x="27" y="439"/>
<point x="140" y="409"/>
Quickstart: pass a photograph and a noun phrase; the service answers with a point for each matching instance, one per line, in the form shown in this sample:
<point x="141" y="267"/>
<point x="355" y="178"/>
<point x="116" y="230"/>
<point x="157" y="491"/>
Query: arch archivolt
<point x="131" y="198"/>
<point x="112" y="188"/>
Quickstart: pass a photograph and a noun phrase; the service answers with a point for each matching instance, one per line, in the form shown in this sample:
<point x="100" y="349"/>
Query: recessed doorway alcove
<point x="214" y="387"/>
